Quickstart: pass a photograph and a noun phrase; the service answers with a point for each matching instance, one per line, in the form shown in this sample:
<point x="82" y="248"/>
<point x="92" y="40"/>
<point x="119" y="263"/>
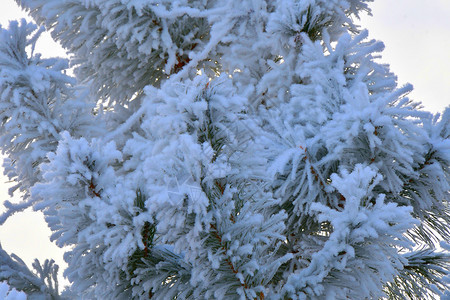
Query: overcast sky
<point x="417" y="38"/>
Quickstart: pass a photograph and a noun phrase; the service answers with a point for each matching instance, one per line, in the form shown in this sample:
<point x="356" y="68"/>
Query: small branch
<point x="127" y="124"/>
<point x="92" y="188"/>
<point x="227" y="260"/>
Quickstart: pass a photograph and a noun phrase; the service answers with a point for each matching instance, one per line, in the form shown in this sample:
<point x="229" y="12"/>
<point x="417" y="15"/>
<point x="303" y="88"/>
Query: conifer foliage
<point x="208" y="149"/>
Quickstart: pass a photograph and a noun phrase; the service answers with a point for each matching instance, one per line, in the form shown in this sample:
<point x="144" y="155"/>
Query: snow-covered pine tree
<point x="208" y="149"/>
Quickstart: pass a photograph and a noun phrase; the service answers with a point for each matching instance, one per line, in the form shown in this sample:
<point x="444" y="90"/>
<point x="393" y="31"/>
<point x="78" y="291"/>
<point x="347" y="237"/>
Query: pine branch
<point x="421" y="277"/>
<point x="117" y="62"/>
<point x="37" y="103"/>
<point x="41" y="283"/>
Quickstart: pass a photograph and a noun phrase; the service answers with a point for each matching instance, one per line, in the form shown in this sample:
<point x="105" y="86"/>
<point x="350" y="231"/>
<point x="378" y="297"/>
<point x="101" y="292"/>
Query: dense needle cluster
<point x="208" y="149"/>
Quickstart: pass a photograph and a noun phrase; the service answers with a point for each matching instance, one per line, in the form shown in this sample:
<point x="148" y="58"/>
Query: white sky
<point x="416" y="34"/>
<point x="417" y="38"/>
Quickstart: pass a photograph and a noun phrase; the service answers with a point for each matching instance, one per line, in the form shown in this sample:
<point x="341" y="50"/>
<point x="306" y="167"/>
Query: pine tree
<point x="211" y="149"/>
